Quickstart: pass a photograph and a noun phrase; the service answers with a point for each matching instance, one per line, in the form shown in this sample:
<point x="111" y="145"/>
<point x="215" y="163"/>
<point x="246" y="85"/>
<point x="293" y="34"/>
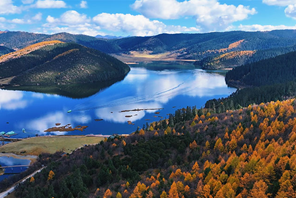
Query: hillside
<point x="58" y="63"/>
<point x="266" y="72"/>
<point x="19" y="40"/>
<point x="5" y="50"/>
<point x="199" y="47"/>
<point x="239" y="58"/>
<point x="243" y="153"/>
<point x="267" y="80"/>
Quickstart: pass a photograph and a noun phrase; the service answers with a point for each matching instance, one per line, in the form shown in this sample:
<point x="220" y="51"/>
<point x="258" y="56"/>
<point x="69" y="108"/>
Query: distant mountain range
<point x="108" y="37"/>
<point x="210" y="50"/>
<point x="59" y="63"/>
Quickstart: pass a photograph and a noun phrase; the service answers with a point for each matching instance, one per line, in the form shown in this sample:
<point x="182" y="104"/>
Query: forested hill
<point x="248" y="46"/>
<point x="58" y="63"/>
<point x="266" y="72"/>
<point x="245" y="153"/>
<point x="264" y="81"/>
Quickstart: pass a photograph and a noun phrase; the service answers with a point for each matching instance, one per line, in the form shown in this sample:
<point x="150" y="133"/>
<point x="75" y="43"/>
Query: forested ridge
<point x="263" y="81"/>
<point x="57" y="63"/>
<point x="201" y="47"/>
<point x="243" y="153"/>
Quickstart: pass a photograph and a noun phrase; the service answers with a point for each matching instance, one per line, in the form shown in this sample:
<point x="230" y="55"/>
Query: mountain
<point x="19" y="40"/>
<point x="108" y="37"/>
<point x="239" y="47"/>
<point x="196" y="153"/>
<point x="58" y="63"/>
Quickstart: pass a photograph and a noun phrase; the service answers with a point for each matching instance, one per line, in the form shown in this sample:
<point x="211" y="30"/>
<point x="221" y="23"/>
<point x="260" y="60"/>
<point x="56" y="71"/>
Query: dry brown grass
<point x="48" y="144"/>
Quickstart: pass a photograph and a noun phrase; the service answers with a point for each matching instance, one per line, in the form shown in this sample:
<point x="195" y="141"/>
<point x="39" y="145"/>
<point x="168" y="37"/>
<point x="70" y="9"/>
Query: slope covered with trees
<point x="57" y="63"/>
<point x="181" y="46"/>
<point x="267" y="80"/>
<point x="243" y="153"/>
<point x="5" y="50"/>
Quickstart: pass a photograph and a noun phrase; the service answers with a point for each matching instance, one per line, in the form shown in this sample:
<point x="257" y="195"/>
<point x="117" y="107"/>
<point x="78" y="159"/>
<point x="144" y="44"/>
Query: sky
<point x="145" y="17"/>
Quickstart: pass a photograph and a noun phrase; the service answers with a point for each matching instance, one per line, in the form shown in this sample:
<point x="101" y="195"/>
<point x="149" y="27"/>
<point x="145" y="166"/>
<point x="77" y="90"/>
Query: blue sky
<point x="145" y="17"/>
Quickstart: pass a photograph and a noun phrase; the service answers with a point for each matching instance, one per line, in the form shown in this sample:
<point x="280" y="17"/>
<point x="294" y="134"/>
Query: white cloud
<point x="26" y="20"/>
<point x="37" y="17"/>
<point x="210" y="15"/>
<point x="279" y="2"/>
<point x="70" y="17"/>
<point x="27" y="1"/>
<point x="71" y="22"/>
<point x="2" y="19"/>
<point x="290" y="11"/>
<point x="50" y="4"/>
<point x="18" y="21"/>
<point x="136" y="25"/>
<point x="257" y="27"/>
<point x="7" y="7"/>
<point x="73" y="17"/>
<point x="83" y="4"/>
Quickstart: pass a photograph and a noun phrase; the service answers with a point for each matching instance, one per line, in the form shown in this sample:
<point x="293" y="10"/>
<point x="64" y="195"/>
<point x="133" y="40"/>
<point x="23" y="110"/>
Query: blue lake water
<point x="141" y="89"/>
<point x="10" y="161"/>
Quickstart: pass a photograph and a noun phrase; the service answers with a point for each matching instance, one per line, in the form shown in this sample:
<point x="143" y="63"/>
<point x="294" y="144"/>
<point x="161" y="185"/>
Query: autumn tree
<point x="118" y="195"/>
<point x="32" y="179"/>
<point x="50" y="175"/>
<point x="107" y="193"/>
<point x="163" y="195"/>
<point x="173" y="192"/>
<point x="259" y="190"/>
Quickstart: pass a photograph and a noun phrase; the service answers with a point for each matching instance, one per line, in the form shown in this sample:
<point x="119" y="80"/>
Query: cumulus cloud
<point x="290" y="11"/>
<point x="26" y="20"/>
<point x="70" y="17"/>
<point x="7" y="7"/>
<point x="83" y="4"/>
<point x="279" y="2"/>
<point x="72" y="22"/>
<point x="136" y="25"/>
<point x="37" y="17"/>
<point x="210" y="15"/>
<point x="50" y="4"/>
<point x="257" y="27"/>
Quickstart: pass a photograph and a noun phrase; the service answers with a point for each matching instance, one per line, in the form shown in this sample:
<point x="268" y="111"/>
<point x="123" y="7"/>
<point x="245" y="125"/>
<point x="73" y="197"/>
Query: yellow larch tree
<point x="50" y="175"/>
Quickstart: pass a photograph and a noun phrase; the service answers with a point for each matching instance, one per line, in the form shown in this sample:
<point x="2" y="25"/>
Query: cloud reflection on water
<point x="153" y="89"/>
<point x="12" y="100"/>
<point x="50" y="120"/>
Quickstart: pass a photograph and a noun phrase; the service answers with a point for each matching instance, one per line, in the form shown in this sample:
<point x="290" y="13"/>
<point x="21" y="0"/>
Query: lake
<point x="11" y="161"/>
<point x="31" y="113"/>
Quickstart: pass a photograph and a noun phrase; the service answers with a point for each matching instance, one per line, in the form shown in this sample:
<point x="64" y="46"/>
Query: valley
<point x="186" y="132"/>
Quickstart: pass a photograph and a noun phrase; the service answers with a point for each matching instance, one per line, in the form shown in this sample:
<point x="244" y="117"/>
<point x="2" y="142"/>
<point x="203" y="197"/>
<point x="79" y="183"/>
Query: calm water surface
<point x="10" y="161"/>
<point x="141" y="89"/>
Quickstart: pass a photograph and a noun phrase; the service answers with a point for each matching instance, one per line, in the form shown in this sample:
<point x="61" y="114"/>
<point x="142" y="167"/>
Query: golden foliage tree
<point x="50" y="175"/>
<point x="173" y="193"/>
<point x="32" y="179"/>
<point x="107" y="193"/>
